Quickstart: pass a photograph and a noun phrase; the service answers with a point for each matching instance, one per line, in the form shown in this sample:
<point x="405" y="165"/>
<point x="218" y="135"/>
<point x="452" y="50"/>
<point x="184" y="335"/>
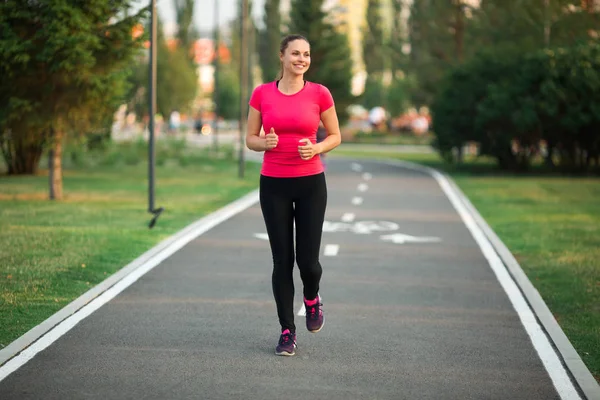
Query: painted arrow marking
<point x="263" y="236"/>
<point x="401" y="238"/>
<point x="348" y="217"/>
<point x="356" y="167"/>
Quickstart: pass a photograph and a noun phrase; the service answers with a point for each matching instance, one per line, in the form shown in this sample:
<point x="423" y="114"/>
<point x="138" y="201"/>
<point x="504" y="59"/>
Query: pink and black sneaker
<point x="314" y="314"/>
<point x="287" y="344"/>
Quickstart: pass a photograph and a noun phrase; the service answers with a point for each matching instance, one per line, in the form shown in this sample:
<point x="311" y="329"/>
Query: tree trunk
<point x="21" y="152"/>
<point x="55" y="167"/>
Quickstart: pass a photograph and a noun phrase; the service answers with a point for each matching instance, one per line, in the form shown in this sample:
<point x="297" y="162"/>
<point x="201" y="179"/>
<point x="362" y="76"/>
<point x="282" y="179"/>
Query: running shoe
<point x="287" y="344"/>
<point x="314" y="316"/>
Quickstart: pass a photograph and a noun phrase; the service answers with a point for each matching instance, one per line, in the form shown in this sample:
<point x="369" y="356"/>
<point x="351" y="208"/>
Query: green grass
<point x="52" y="252"/>
<point x="552" y="226"/>
<point x="389" y="138"/>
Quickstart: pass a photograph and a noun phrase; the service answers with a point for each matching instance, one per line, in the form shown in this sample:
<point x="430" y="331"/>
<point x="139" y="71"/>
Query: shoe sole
<point x="285" y="353"/>
<point x="318" y="330"/>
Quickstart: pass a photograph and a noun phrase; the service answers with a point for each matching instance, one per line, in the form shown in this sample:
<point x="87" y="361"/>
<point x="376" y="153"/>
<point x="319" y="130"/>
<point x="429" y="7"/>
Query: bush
<point x="511" y="104"/>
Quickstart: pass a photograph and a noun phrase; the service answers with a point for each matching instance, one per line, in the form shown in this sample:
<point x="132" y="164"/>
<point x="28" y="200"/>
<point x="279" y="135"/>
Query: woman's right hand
<point x="271" y="140"/>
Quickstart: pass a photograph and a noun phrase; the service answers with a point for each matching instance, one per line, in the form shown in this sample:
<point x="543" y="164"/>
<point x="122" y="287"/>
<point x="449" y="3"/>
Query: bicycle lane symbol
<point x="369" y="227"/>
<point x="358" y="227"/>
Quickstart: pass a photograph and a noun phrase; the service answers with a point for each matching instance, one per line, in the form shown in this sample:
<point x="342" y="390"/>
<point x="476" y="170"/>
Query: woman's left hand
<point x="307" y="149"/>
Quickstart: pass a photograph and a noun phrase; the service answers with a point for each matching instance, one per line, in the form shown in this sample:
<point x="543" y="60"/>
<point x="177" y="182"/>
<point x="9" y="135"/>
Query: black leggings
<point x="284" y="201"/>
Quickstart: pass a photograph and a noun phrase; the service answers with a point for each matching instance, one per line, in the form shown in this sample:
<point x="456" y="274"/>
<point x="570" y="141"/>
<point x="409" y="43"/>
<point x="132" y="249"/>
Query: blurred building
<point x="204" y="56"/>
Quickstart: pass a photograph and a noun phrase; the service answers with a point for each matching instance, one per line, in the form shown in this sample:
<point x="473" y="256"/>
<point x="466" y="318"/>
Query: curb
<point x="572" y="362"/>
<point x="143" y="263"/>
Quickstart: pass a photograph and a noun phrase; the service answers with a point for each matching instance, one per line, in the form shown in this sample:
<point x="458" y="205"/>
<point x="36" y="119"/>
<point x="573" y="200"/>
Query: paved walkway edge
<point x="146" y="261"/>
<point x="572" y="362"/>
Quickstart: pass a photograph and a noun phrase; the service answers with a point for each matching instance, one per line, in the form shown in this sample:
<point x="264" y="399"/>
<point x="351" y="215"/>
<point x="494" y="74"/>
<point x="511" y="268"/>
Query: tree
<point x="176" y="79"/>
<point x="228" y="92"/>
<point x="528" y="26"/>
<point x="374" y="46"/>
<point x="398" y="38"/>
<point x="186" y="32"/>
<point x="375" y="55"/>
<point x="269" y="39"/>
<point x="438" y="33"/>
<point x="252" y="42"/>
<point x="330" y="52"/>
<point x="60" y="63"/>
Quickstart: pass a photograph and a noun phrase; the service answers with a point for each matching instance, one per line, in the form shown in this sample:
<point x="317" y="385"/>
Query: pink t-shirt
<point x="293" y="117"/>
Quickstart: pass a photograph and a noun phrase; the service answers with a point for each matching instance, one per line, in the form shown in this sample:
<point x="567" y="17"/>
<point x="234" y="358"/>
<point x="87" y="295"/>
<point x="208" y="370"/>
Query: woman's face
<point x="296" y="57"/>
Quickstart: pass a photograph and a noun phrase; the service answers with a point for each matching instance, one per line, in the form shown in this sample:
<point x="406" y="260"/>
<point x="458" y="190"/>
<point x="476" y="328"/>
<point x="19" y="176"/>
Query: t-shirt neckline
<point x="275" y="83"/>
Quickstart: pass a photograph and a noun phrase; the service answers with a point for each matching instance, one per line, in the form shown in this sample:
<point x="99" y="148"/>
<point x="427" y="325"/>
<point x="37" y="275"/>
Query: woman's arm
<point x="254" y="140"/>
<point x="332" y="127"/>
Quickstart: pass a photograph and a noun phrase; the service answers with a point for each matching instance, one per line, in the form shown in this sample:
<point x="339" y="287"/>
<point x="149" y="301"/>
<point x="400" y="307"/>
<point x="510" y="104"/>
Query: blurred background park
<point x="504" y="95"/>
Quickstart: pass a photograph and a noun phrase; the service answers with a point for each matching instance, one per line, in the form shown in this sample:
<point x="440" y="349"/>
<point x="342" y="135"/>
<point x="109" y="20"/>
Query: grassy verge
<point x="51" y="252"/>
<point x="552" y="226"/>
<point x="389" y="138"/>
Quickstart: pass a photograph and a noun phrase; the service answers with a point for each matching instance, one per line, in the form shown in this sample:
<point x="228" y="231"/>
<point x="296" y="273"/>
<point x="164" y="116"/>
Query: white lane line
<point x="331" y="250"/>
<point x="177" y="242"/>
<point x="356" y="167"/>
<point x="357" y="201"/>
<point x="348" y="217"/>
<point x="552" y="363"/>
<point x="367" y="176"/>
<point x="363" y="187"/>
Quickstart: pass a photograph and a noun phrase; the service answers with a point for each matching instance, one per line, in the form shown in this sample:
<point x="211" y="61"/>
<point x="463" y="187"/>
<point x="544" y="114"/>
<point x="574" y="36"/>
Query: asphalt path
<point x="413" y="310"/>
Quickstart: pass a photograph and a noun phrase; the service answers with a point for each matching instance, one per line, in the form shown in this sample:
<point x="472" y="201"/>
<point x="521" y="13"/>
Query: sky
<point x="203" y="12"/>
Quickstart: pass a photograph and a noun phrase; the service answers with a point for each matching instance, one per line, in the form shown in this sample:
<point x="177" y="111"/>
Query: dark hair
<point x="283" y="45"/>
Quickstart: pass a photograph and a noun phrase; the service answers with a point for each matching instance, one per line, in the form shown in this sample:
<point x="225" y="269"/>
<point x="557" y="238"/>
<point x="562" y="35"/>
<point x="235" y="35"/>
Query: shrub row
<point x="518" y="108"/>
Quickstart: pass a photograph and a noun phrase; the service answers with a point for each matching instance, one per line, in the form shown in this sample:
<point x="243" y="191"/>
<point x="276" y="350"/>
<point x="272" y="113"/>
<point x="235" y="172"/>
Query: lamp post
<point x="216" y="78"/>
<point x="243" y="85"/>
<point x="152" y="107"/>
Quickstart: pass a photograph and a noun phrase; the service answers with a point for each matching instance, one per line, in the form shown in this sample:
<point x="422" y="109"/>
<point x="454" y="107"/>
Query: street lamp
<point x="244" y="85"/>
<point x="152" y="107"/>
<point x="216" y="77"/>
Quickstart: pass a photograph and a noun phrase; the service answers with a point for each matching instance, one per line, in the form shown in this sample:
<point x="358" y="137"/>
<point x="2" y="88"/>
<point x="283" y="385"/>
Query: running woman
<point x="292" y="180"/>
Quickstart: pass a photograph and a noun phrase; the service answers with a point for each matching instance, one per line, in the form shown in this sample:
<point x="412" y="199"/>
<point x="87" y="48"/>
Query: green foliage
<point x="236" y="31"/>
<point x="374" y="94"/>
<point x="398" y="96"/>
<point x="373" y="39"/>
<point x="437" y="44"/>
<point x="186" y="32"/>
<point x="331" y="61"/>
<point x="511" y="103"/>
<point x="446" y="33"/>
<point x="383" y="57"/>
<point x="521" y="25"/>
<point x="269" y="39"/>
<point x="398" y="37"/>
<point x="176" y="80"/>
<point x="228" y="93"/>
<point x="62" y="70"/>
